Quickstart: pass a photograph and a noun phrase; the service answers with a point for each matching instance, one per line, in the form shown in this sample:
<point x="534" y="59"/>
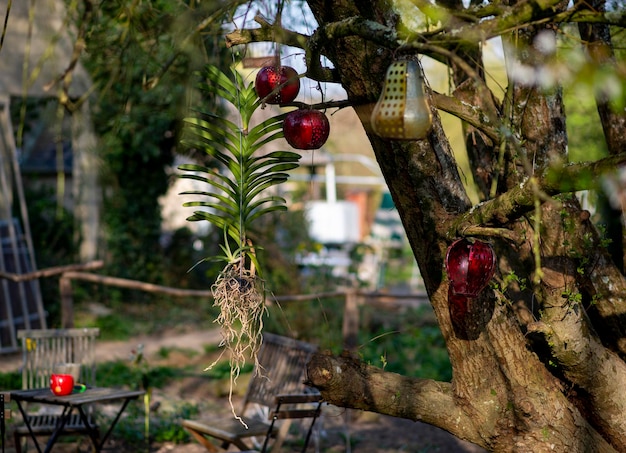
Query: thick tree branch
<point x="521" y="199"/>
<point x="357" y="26"/>
<point x="266" y="33"/>
<point x="354" y="26"/>
<point x="347" y="382"/>
<point x="278" y="34"/>
<point x="471" y="114"/>
<point x="574" y="344"/>
<point x="617" y="18"/>
<point x="505" y="19"/>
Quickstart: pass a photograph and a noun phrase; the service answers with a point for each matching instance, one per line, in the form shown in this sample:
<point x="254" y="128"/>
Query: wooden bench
<point x="42" y="351"/>
<point x="280" y="383"/>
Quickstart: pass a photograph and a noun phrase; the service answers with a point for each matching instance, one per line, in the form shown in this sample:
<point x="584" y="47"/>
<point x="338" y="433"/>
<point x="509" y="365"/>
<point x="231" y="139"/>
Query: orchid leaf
<point x="238" y="184"/>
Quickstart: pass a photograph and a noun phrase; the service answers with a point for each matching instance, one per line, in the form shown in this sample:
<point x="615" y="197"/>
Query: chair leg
<point x="18" y="443"/>
<point x="206" y="443"/>
<point x="280" y="436"/>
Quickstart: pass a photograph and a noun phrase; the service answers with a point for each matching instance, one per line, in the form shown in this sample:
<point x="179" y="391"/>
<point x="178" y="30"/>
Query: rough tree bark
<point x="540" y="366"/>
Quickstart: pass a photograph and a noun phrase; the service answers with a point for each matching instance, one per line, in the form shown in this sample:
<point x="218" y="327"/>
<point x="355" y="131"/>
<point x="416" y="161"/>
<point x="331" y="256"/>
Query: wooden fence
<point x="20" y="309"/>
<point x="352" y="297"/>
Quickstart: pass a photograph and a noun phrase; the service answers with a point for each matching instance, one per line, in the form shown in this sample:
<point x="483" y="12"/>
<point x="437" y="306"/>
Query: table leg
<point x="92" y="433"/>
<point x="30" y="429"/>
<point x="67" y="410"/>
<point x="65" y="415"/>
<point x="99" y="443"/>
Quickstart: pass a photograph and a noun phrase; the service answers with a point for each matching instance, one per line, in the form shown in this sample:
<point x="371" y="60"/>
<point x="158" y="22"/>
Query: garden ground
<point x="364" y="432"/>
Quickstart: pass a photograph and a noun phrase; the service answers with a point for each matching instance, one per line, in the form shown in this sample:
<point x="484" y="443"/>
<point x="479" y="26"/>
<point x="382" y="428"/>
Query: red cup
<point x="61" y="384"/>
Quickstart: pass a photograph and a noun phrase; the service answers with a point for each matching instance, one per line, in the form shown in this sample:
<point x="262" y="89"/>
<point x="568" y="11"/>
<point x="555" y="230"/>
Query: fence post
<point x="67" y="302"/>
<point x="351" y="321"/>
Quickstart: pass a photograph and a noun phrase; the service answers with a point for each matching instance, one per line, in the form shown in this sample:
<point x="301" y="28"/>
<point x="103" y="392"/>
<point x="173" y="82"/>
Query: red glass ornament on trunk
<point x="470" y="266"/>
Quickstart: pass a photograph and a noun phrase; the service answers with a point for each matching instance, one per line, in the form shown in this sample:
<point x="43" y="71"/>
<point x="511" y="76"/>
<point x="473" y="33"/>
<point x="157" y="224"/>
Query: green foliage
<point x="409" y="343"/>
<point x="131" y="317"/>
<point x="510" y="278"/>
<point x="290" y="237"/>
<point x="124" y="374"/>
<point x="52" y="227"/>
<point x="115" y="327"/>
<point x="584" y="131"/>
<point x="221" y="370"/>
<point x="164" y="427"/>
<point x="165" y="351"/>
<point x="136" y="116"/>
<point x="11" y="380"/>
<point x="414" y="351"/>
<point x="236" y="191"/>
<point x="54" y="241"/>
<point x="318" y="321"/>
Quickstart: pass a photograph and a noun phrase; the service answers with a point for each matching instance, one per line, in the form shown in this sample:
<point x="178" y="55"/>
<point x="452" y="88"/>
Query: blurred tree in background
<point x="142" y="57"/>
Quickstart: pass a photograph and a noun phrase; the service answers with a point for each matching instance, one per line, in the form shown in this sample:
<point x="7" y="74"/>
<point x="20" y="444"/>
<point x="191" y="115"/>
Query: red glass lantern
<point x="402" y="111"/>
<point x="470" y="266"/>
<point x="459" y="306"/>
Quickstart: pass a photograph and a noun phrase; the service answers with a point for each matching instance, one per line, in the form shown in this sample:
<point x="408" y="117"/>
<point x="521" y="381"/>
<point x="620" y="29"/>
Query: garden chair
<point x="42" y="351"/>
<point x="279" y="382"/>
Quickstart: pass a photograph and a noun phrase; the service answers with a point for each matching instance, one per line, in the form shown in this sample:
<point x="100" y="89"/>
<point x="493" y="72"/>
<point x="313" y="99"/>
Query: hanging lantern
<point x="470" y="265"/>
<point x="402" y="111"/>
<point x="460" y="308"/>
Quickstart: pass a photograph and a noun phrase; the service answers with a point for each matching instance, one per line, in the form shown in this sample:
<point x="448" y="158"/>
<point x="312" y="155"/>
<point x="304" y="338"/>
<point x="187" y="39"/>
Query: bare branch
<point x="521" y="199"/>
<point x="617" y="18"/>
<point x="267" y="32"/>
<point x="493" y="232"/>
<point x="466" y="25"/>
<point x="278" y="34"/>
<point x="468" y="113"/>
<point x="320" y="105"/>
<point x="51" y="271"/>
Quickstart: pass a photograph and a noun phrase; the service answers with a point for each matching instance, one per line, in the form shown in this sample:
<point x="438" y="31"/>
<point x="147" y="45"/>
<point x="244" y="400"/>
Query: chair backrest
<point x="43" y="350"/>
<point x="283" y="369"/>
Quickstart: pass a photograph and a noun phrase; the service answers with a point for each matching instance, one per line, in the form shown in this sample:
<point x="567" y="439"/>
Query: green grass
<point x="11" y="380"/>
<point x="165" y="426"/>
<point x="408" y="342"/>
<point x="123" y="373"/>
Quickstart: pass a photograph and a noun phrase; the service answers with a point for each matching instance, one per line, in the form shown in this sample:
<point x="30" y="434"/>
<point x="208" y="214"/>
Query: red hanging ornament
<point x="470" y="266"/>
<point x="460" y="307"/>
<point x="306" y="128"/>
<point x="281" y="79"/>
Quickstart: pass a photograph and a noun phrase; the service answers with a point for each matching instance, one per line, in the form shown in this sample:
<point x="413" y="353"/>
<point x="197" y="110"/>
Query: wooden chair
<point x="42" y="351"/>
<point x="283" y="368"/>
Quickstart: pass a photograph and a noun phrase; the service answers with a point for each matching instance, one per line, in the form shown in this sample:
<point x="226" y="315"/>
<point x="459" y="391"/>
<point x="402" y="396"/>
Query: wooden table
<point x="75" y="401"/>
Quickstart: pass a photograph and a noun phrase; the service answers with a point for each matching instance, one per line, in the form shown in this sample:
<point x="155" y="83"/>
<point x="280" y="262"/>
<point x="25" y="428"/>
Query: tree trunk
<point x="553" y="383"/>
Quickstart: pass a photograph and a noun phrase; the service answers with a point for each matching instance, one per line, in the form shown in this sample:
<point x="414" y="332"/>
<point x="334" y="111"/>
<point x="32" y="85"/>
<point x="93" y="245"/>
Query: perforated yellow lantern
<point x="402" y="111"/>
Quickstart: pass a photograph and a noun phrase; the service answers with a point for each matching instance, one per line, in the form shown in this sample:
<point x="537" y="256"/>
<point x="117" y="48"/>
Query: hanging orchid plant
<point x="236" y="194"/>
